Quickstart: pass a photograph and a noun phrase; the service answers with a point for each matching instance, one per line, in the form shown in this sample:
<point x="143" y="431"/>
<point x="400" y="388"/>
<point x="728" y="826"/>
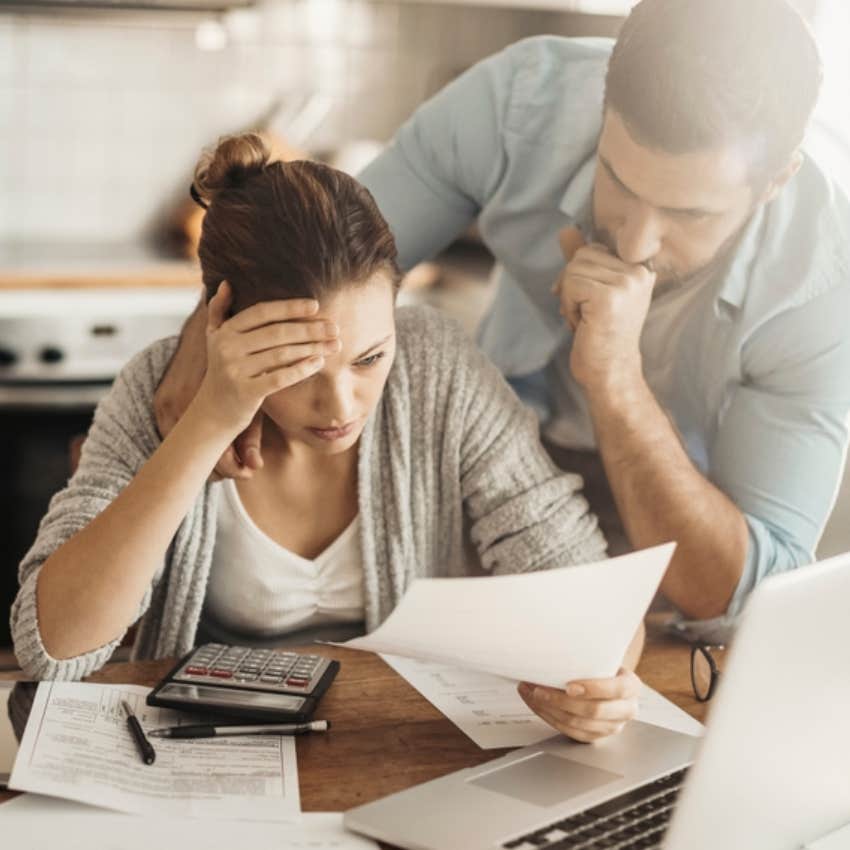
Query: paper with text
<point x="547" y="627"/>
<point x="33" y="822"/>
<point x="77" y="745"/>
<point x="490" y="711"/>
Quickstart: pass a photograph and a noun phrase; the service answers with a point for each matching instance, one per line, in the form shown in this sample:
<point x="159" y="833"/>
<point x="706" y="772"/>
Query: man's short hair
<point x="694" y="75"/>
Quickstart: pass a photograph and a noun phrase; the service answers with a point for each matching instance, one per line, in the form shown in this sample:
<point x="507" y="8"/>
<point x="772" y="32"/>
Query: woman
<point x="388" y="438"/>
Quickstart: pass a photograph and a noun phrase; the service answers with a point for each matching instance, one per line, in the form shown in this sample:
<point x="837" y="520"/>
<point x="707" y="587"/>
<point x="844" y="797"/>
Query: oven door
<point x="38" y="424"/>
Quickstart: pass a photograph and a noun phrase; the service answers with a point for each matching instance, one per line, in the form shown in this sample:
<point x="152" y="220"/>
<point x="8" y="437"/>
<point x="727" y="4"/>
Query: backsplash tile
<point x="102" y="116"/>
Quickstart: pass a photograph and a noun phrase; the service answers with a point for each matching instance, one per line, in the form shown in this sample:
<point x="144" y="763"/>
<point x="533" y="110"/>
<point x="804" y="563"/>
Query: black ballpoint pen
<point x="146" y="751"/>
<point x="209" y="731"/>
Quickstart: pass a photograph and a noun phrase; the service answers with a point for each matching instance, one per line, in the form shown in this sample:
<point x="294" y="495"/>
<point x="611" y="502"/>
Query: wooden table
<point x="386" y="736"/>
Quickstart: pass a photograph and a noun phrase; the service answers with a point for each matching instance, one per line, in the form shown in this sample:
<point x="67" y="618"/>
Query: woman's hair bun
<point x="234" y="160"/>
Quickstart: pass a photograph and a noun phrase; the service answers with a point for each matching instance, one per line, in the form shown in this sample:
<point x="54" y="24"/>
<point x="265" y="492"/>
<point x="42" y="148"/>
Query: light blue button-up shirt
<point x="761" y="383"/>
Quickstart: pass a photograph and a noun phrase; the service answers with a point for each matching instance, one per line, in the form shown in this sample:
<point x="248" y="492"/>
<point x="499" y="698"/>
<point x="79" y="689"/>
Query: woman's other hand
<point x="587" y="709"/>
<point x="260" y="351"/>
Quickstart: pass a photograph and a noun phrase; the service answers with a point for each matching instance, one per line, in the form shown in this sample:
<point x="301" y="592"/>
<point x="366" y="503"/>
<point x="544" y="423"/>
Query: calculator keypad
<point x="261" y="669"/>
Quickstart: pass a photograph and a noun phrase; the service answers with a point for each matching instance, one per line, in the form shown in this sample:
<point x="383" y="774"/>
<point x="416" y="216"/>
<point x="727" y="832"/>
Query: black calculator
<point x="246" y="683"/>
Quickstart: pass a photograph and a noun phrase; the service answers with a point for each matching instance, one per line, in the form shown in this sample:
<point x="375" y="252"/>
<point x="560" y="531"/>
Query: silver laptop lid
<point x="774" y="768"/>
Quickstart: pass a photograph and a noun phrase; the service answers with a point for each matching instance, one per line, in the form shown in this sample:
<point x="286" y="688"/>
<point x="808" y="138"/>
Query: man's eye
<point x="371" y="360"/>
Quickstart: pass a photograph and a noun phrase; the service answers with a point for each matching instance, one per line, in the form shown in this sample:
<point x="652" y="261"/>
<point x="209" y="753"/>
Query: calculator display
<point x="191" y="694"/>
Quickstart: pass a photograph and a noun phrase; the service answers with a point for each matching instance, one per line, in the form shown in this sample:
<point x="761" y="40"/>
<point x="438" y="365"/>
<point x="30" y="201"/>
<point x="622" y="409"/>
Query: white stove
<point x="64" y="347"/>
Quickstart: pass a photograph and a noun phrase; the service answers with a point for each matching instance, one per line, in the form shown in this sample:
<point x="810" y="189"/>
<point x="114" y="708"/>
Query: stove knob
<point x="50" y="354"/>
<point x="8" y="357"/>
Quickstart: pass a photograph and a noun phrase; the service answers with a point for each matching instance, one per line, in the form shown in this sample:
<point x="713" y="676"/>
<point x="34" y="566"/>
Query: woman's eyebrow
<point x="373" y="347"/>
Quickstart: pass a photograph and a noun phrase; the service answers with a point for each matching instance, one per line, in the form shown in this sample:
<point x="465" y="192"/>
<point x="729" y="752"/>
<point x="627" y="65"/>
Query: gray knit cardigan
<point x="449" y="456"/>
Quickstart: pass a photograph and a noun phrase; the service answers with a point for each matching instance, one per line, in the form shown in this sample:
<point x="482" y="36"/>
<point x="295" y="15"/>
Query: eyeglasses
<point x="704" y="671"/>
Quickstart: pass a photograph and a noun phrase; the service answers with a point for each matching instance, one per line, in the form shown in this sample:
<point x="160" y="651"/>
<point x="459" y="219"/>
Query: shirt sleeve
<point x="781" y="445"/>
<point x="445" y="161"/>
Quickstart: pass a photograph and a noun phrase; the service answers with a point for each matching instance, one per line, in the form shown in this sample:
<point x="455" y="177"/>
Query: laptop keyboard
<point x="635" y="820"/>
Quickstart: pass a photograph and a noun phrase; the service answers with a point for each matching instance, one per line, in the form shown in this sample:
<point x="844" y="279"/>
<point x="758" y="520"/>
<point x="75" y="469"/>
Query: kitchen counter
<point x="92" y="265"/>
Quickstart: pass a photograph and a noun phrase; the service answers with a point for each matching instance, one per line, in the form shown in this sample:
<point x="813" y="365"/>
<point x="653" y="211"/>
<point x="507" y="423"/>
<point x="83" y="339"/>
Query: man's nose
<point x="639" y="238"/>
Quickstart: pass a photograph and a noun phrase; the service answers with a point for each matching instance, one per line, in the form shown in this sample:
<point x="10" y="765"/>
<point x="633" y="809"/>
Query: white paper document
<point x="547" y="627"/>
<point x="490" y="711"/>
<point x="33" y="822"/>
<point x="77" y="745"/>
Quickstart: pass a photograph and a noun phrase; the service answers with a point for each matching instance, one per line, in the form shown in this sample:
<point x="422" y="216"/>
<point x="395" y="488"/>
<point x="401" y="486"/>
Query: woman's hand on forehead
<point x="260" y="351"/>
<point x="268" y="312"/>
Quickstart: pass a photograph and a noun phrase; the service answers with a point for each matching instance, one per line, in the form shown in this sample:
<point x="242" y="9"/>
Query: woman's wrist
<point x="204" y="424"/>
<point x="215" y="416"/>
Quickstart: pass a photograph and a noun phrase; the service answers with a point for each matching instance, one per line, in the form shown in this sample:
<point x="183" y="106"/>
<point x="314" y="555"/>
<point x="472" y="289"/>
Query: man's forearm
<point x="181" y="380"/>
<point x="661" y="496"/>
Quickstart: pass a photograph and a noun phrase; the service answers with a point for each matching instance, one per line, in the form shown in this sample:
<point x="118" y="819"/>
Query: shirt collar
<point x="577" y="202"/>
<point x="737" y="272"/>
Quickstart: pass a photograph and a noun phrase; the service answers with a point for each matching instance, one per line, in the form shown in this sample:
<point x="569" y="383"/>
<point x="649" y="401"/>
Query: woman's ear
<point x="780" y="180"/>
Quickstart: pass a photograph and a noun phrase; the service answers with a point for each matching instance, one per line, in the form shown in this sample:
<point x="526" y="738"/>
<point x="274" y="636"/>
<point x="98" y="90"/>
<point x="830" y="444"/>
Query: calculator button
<point x="222" y="674"/>
<point x="271" y="680"/>
<point x="196" y="671"/>
<point x="297" y="682"/>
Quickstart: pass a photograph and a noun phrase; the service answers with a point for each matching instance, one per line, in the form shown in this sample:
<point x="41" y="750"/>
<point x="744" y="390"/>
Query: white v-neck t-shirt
<point x="260" y="589"/>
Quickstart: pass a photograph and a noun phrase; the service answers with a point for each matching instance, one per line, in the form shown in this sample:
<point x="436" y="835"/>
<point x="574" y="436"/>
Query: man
<point x="695" y="336"/>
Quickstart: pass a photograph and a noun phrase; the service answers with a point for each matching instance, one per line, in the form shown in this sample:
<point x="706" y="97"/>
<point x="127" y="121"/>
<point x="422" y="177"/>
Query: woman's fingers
<point x="287" y="333"/>
<point x="268" y="312"/>
<point x="625" y="685"/>
<point x="218" y="306"/>
<point x="288" y="376"/>
<point x="588" y="709"/>
<point x="618" y="709"/>
<point x="287" y="355"/>
<point x="580" y="728"/>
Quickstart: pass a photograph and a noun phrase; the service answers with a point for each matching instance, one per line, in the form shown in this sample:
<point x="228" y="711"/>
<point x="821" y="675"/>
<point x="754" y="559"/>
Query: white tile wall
<point x="102" y="116"/>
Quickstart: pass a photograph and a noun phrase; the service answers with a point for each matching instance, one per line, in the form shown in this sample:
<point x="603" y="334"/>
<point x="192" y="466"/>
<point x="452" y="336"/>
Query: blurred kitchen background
<point x="103" y="111"/>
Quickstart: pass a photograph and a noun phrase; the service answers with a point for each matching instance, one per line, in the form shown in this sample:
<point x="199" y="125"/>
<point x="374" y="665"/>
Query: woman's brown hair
<point x="285" y="230"/>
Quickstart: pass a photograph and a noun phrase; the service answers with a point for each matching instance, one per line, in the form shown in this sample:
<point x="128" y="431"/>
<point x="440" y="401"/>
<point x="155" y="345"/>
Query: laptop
<point x="772" y="772"/>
